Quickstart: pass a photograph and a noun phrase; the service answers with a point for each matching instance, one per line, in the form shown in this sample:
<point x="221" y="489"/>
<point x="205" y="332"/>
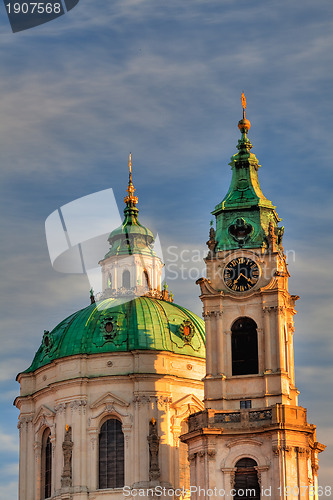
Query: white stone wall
<point x="136" y="264"/>
<point x="82" y="392"/>
<point x="284" y="464"/>
<point x="271" y="306"/>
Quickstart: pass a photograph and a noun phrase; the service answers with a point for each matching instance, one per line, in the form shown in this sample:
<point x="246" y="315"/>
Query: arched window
<point x="246" y="480"/>
<point x="126" y="279"/>
<point x="145" y="278"/>
<point x="46" y="472"/>
<point x="111" y="455"/>
<point x="244" y="344"/>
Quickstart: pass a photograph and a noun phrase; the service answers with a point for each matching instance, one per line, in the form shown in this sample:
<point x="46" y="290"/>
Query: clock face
<point x="241" y="274"/>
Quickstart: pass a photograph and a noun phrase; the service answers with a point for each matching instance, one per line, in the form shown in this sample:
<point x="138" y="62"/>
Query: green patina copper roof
<point x="115" y="326"/>
<point x="131" y="237"/>
<point x="245" y="217"/>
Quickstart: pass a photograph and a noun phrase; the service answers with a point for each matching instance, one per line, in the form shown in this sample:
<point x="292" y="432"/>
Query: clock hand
<point x="241" y="274"/>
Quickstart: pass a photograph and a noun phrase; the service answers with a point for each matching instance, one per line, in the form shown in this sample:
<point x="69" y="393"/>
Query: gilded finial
<point x="244" y="124"/>
<point x="130" y="199"/>
<point x="67" y="427"/>
<point x="243" y="99"/>
<point x="130" y="167"/>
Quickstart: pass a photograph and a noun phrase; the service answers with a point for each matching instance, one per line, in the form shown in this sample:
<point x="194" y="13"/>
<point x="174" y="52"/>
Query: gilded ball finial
<point x="244" y="124"/>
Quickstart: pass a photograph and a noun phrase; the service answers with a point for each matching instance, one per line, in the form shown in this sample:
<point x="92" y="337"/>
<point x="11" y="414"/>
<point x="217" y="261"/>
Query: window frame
<point x="119" y="460"/>
<point x="248" y="342"/>
<point x="45" y="469"/>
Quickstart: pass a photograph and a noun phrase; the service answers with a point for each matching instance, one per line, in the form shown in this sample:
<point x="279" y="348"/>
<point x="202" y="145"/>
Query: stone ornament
<point x="67" y="447"/>
<point x="109" y="328"/>
<point x="186" y="330"/>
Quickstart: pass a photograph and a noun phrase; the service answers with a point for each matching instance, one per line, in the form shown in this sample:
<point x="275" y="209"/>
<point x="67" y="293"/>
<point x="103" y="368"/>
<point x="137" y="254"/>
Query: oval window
<point x="109" y="327"/>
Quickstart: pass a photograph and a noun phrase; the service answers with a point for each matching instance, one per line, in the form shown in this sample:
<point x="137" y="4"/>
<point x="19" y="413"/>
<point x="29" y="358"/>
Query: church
<point x="135" y="395"/>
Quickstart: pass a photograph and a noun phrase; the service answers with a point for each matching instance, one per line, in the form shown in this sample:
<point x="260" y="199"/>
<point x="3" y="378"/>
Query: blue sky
<point x="163" y="80"/>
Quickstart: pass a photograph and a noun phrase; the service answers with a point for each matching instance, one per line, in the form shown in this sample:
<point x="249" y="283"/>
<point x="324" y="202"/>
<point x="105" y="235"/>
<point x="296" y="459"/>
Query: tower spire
<point x="130" y="200"/>
<point x="243" y="217"/>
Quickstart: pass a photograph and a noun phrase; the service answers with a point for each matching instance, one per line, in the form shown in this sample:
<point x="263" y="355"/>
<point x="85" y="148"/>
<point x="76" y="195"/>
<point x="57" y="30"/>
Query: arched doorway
<point x="244" y="345"/>
<point x="246" y="480"/>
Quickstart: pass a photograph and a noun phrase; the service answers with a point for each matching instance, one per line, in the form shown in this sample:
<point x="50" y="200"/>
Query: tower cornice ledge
<point x="207" y="289"/>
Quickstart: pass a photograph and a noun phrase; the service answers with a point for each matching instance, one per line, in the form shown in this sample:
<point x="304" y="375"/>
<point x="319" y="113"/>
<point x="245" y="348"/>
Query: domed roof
<point x="131" y="237"/>
<point x="113" y="325"/>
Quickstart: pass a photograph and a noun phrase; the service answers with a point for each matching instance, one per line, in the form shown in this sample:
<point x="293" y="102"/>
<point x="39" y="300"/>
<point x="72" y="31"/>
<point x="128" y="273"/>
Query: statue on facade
<point x="154" y="443"/>
<point x="67" y="447"/>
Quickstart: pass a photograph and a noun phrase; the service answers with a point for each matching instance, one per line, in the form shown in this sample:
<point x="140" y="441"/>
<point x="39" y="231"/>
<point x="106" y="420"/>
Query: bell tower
<point x="252" y="440"/>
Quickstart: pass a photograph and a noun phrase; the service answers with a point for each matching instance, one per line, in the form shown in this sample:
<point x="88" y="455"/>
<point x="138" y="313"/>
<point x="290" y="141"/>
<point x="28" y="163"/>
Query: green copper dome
<point x="112" y="325"/>
<point x="131" y="237"/>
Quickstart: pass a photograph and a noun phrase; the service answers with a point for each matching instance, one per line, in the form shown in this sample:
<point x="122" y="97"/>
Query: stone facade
<point x="80" y="393"/>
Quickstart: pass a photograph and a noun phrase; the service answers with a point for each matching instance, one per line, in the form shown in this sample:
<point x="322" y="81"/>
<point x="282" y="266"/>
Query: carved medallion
<point x="186" y="330"/>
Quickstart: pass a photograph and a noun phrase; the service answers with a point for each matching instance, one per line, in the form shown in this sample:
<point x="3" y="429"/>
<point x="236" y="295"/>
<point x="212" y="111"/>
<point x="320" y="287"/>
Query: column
<point x="55" y="468"/>
<point x="61" y="422"/>
<point x="268" y="357"/>
<point x="214" y="341"/>
<point x="115" y="277"/>
<point x="220" y="339"/>
<point x="30" y="481"/>
<point x="227" y="354"/>
<point x="207" y="316"/>
<point x="84" y="449"/>
<point x="37" y="472"/>
<point x="228" y="480"/>
<point x="261" y="343"/>
<point x="136" y="440"/>
<point x="192" y="457"/>
<point x="23" y="458"/>
<point x="280" y="339"/>
<point x="128" y="453"/>
<point x="93" y="459"/>
<point x="291" y="354"/>
<point x="264" y="481"/>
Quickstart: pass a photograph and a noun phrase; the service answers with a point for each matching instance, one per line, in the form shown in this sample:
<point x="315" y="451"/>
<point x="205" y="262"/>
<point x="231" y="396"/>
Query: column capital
<point x="212" y="314"/>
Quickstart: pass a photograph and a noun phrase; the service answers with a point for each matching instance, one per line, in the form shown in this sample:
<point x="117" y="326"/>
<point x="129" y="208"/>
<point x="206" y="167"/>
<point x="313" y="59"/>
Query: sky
<point x="162" y="80"/>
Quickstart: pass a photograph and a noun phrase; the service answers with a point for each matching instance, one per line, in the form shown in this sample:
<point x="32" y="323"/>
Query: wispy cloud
<point x="8" y="442"/>
<point x="9" y="490"/>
